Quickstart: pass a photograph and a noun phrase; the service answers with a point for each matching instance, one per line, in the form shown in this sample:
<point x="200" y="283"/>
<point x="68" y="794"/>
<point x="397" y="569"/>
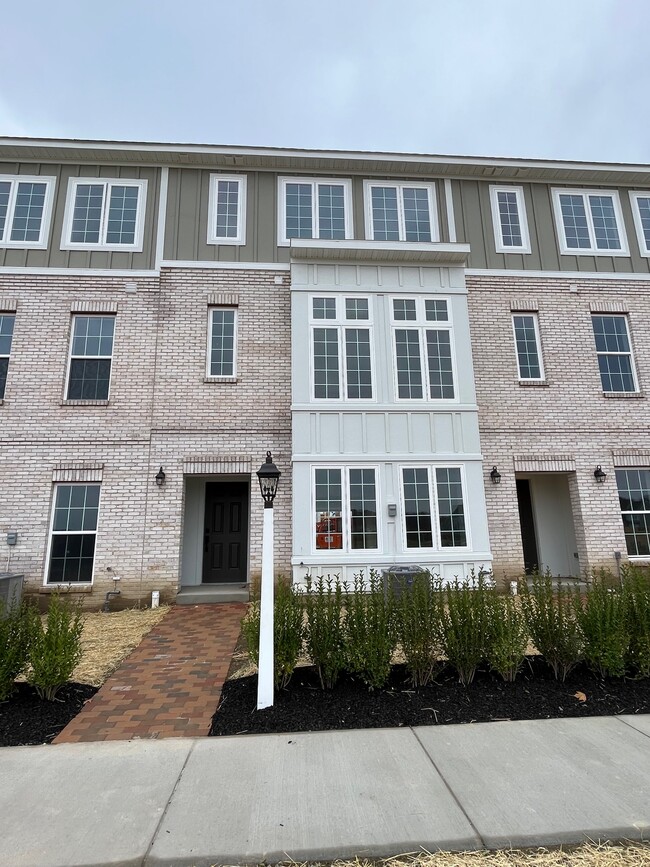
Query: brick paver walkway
<point x="170" y="684"/>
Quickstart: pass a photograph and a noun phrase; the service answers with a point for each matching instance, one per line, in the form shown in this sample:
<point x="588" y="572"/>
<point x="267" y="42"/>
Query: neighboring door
<point x="527" y="522"/>
<point x="225" y="536"/>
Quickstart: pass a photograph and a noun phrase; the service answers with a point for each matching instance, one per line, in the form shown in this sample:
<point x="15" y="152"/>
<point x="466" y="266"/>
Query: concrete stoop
<point x="202" y="594"/>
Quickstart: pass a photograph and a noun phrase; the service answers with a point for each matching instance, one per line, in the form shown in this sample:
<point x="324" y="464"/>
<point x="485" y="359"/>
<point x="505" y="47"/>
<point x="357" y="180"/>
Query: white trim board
<point x="566" y="275"/>
<point x="78" y="272"/>
<point x="250" y="266"/>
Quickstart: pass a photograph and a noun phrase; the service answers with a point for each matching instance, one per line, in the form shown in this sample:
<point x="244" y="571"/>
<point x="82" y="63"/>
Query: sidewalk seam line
<point x="448" y="787"/>
<point x="169" y="800"/>
<point x="634" y="728"/>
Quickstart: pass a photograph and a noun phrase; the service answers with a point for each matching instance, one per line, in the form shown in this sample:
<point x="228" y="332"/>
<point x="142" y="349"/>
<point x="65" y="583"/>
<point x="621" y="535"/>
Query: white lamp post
<point x="269" y="476"/>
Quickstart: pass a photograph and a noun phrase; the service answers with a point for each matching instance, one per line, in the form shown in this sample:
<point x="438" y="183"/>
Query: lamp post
<point x="269" y="476"/>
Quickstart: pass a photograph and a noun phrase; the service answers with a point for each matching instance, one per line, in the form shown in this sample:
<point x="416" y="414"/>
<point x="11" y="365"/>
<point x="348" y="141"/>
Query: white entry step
<point x="201" y="594"/>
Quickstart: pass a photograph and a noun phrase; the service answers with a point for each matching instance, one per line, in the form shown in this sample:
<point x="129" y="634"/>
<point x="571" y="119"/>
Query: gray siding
<point x="53" y="256"/>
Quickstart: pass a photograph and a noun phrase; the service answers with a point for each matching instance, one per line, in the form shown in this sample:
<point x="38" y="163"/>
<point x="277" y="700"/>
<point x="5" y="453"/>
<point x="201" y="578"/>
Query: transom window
<point x="634" y="498"/>
<point x="641" y="212"/>
<point x="509" y="219"/>
<point x="222" y="341"/>
<point x="527" y="344"/>
<point x="315" y="208"/>
<point x="6" y="335"/>
<point x="424" y="366"/>
<point x="614" y="353"/>
<point x="590" y="223"/>
<point x="227" y="209"/>
<point x="91" y="353"/>
<point x="25" y="209"/>
<point x="341" y="351"/>
<point x="345" y="509"/>
<point x="401" y="212"/>
<point x="73" y="534"/>
<point x="104" y="214"/>
<point x="422" y="487"/>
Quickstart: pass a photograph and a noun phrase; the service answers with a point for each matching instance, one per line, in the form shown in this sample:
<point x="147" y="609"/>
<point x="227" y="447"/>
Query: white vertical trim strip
<point x="451" y="217"/>
<point x="162" y="216"/>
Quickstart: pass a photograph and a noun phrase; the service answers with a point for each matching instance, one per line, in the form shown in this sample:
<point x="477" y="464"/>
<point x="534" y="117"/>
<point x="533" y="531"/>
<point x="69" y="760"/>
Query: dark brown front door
<point x="225" y="536"/>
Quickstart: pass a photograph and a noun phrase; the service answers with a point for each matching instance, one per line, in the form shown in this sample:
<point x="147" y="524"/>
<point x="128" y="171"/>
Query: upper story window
<point x="400" y="212"/>
<point x="509" y="219"/>
<point x="527" y="343"/>
<point x="222" y="342"/>
<point x="25" y="209"/>
<point x="341" y="348"/>
<point x="104" y="214"/>
<point x="227" y="209"/>
<point x="6" y="335"/>
<point x="641" y="212"/>
<point x="590" y="222"/>
<point x="424" y="366"/>
<point x="315" y="208"/>
<point x="91" y="353"/>
<point x="614" y="353"/>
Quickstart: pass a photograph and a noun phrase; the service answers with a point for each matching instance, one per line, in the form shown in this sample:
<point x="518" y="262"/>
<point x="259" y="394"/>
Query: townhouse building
<point x="447" y="358"/>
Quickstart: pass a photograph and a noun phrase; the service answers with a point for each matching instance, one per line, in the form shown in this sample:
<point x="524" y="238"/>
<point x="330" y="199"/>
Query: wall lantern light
<point x="599" y="474"/>
<point x="269" y="476"/>
<point x="160" y="477"/>
<point x="495" y="475"/>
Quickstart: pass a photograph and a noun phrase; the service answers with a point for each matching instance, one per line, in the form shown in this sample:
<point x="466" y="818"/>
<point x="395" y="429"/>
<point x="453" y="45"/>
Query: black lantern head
<point x="160" y="477"/>
<point x="495" y="475"/>
<point x="269" y="476"/>
<point x="599" y="474"/>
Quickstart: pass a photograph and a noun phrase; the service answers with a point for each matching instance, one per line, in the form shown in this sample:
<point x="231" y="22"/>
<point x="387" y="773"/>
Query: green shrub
<point x="16" y="632"/>
<point x="464" y="621"/>
<point x="601" y="616"/>
<point x="636" y="595"/>
<point x="325" y="629"/>
<point x="369" y="631"/>
<point x="417" y="620"/>
<point x="56" y="648"/>
<point x="552" y="624"/>
<point x="506" y="636"/>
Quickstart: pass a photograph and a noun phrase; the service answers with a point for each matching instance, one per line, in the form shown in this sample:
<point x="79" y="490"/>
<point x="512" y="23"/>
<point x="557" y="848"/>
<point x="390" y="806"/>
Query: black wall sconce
<point x="160" y="477"/>
<point x="495" y="475"/>
<point x="599" y="474"/>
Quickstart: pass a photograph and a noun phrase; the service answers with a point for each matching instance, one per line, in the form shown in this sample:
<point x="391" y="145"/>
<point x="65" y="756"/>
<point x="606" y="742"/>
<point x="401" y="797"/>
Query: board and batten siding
<point x="53" y="256"/>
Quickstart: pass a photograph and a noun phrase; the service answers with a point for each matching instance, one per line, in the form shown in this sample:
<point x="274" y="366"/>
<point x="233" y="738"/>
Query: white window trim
<point x="50" y="538"/>
<point x="421" y="324"/>
<point x="136" y="246"/>
<point x="435" y="511"/>
<point x="240" y="238"/>
<point x="592" y="250"/>
<point x="8" y="355"/>
<point x="211" y="376"/>
<point x="499" y="244"/>
<point x="538" y="343"/>
<point x="346" y="183"/>
<point x="601" y="352"/>
<point x="340" y="323"/>
<point x="14" y="180"/>
<point x="399" y="186"/>
<point x="633" y="558"/>
<point x="82" y="400"/>
<point x="346" y="517"/>
<point x="635" y="195"/>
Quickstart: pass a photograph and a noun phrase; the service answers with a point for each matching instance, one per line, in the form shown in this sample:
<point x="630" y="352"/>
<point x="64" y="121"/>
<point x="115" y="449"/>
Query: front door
<point x="225" y="535"/>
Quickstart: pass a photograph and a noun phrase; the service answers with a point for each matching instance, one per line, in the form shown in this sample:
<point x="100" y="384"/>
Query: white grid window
<point x="25" y="209"/>
<point x="326" y="363"/>
<point x="417" y="507"/>
<point x="641" y="212"/>
<point x="324" y="308"/>
<point x="423" y="350"/>
<point x="345" y="509"/>
<point x="590" y="223"/>
<point x="104" y="214"/>
<point x="6" y="336"/>
<point x="422" y="489"/>
<point x="223" y="341"/>
<point x="91" y="352"/>
<point x="614" y="353"/>
<point x="509" y="220"/>
<point x="451" y="509"/>
<point x="341" y="354"/>
<point x="527" y="345"/>
<point x="227" y="209"/>
<point x="73" y="534"/>
<point x="401" y="212"/>
<point x="314" y="208"/>
<point x="634" y="498"/>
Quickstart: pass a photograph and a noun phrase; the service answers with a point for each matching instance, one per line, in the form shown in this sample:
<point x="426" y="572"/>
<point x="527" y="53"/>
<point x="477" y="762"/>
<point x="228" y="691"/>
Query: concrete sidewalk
<point x="374" y="793"/>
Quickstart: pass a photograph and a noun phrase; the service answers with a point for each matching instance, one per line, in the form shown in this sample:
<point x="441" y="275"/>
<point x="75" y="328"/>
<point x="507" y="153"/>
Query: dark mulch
<point x="27" y="719"/>
<point x="303" y="706"/>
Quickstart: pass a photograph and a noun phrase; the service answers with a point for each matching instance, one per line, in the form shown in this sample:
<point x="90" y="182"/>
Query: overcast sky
<point x="523" y="78"/>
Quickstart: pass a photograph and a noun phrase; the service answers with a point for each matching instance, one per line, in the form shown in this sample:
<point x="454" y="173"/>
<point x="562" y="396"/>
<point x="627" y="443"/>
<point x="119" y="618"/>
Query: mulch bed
<point x="535" y="694"/>
<point x="27" y="719"/>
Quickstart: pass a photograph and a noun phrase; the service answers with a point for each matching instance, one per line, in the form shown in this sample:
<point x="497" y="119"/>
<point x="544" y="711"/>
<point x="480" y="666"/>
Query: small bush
<point x="369" y="631"/>
<point x="636" y="596"/>
<point x="601" y="616"/>
<point x="56" y="648"/>
<point x="324" y="629"/>
<point x="506" y="636"/>
<point x="417" y="619"/>
<point x="463" y="625"/>
<point x="16" y="633"/>
<point x="552" y="624"/>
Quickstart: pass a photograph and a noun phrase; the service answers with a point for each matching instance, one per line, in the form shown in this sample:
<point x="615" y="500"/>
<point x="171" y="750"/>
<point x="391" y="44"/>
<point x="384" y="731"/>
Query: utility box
<point x="11" y="591"/>
<point x="400" y="578"/>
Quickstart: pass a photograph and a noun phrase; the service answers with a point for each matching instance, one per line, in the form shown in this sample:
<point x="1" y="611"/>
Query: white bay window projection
<point x="589" y="222"/>
<point x="73" y="534"/>
<point x="341" y="351"/>
<point x="634" y="498"/>
<point x="527" y="344"/>
<point x="315" y="208"/>
<point x="422" y="487"/>
<point x="104" y="214"/>
<point x="424" y="366"/>
<point x="91" y="354"/>
<point x="25" y="206"/>
<point x="7" y="321"/>
<point x="222" y="342"/>
<point x="509" y="219"/>
<point x="227" y="209"/>
<point x="345" y="509"/>
<point x="614" y="353"/>
<point x="401" y="212"/>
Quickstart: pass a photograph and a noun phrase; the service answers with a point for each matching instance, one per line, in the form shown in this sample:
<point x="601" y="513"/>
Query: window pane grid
<point x="222" y="343"/>
<point x="441" y="376"/>
<point x="509" y="218"/>
<point x="5" y="189"/>
<point x="417" y="223"/>
<point x="363" y="509"/>
<point x="28" y="212"/>
<point x="451" y="511"/>
<point x="435" y="310"/>
<point x="614" y="354"/>
<point x="409" y="365"/>
<point x="324" y="308"/>
<point x="358" y="367"/>
<point x="574" y="217"/>
<point x="604" y="219"/>
<point x="227" y="209"/>
<point x="87" y="214"/>
<point x="331" y="211"/>
<point x="404" y="309"/>
<point x="90" y="357"/>
<point x="643" y="204"/>
<point x="298" y="213"/>
<point x="356" y="308"/>
<point x="74" y="529"/>
<point x="527" y="351"/>
<point x="122" y="215"/>
<point x="326" y="363"/>
<point x="634" y="498"/>
<point x="385" y="215"/>
<point x="328" y="507"/>
<point x="417" y="508"/>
